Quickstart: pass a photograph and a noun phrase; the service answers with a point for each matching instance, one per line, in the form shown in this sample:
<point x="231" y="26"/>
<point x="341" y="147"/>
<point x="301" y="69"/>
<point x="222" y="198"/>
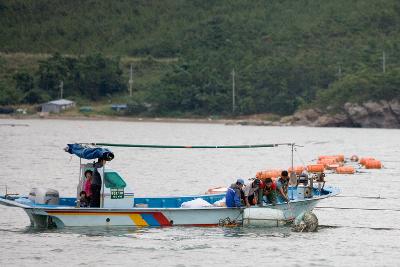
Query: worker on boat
<point x="282" y="186"/>
<point x="270" y="191"/>
<point x="233" y="194"/>
<point x="303" y="178"/>
<point x="96" y="183"/>
<point x="251" y="193"/>
<point x="88" y="183"/>
<point x="83" y="200"/>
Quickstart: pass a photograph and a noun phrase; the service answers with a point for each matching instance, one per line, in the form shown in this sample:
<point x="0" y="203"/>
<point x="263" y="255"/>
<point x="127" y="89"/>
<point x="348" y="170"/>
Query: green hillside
<point x="286" y="54"/>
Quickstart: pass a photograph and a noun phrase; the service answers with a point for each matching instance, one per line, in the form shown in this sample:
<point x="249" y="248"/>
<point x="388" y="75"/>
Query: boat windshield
<point x="113" y="180"/>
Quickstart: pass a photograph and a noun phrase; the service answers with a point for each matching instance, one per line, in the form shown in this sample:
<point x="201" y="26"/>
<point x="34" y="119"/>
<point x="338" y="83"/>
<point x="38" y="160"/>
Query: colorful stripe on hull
<point x="138" y="218"/>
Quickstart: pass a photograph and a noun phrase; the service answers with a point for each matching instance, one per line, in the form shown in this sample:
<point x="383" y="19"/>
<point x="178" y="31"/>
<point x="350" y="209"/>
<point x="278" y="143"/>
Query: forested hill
<point x="286" y="54"/>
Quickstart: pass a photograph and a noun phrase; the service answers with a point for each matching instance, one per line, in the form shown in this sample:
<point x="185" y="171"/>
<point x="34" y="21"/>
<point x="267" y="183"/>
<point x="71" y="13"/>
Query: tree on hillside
<point x="24" y="81"/>
<point x="92" y="77"/>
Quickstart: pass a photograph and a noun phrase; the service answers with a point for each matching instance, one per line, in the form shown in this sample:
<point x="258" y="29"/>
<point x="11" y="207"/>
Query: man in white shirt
<point x="251" y="193"/>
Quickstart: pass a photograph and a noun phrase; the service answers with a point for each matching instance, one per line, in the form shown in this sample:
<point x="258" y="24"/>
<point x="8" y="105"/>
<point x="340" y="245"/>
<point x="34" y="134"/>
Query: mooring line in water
<point x="349" y="208"/>
<point x="368" y="197"/>
<point x="359" y="227"/>
<point x="14" y="124"/>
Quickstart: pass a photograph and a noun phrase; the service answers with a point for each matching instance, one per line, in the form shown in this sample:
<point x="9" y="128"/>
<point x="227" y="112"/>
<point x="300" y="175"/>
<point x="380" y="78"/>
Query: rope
<point x="299" y="157"/>
<point x="358" y="227"/>
<point x="229" y="222"/>
<point x="348" y="208"/>
<point x="203" y="147"/>
<point x="369" y="197"/>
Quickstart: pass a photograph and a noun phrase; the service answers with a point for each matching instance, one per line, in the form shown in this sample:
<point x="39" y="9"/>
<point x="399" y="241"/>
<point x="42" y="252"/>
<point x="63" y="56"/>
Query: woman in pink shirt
<point x="88" y="183"/>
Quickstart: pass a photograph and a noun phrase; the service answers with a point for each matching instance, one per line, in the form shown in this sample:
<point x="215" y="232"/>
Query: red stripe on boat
<point x="161" y="219"/>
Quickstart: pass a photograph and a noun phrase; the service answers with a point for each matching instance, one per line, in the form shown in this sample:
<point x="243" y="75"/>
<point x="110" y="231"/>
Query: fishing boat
<point x="120" y="207"/>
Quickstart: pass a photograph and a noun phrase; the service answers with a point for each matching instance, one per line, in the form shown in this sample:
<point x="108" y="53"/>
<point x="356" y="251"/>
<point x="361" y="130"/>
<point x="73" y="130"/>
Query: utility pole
<point x="383" y="62"/>
<point x="130" y="82"/>
<point x="340" y="71"/>
<point x="61" y="89"/>
<point x="233" y="91"/>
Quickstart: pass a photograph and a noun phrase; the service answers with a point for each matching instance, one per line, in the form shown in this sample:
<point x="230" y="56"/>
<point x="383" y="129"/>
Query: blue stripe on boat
<point x="149" y="218"/>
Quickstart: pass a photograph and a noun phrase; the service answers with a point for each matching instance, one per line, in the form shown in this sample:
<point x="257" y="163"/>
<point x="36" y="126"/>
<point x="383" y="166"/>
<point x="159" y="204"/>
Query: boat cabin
<point x="115" y="192"/>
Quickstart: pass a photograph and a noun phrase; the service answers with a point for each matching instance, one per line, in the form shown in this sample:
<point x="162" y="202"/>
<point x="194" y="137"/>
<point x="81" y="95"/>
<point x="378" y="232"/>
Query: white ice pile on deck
<point x="201" y="203"/>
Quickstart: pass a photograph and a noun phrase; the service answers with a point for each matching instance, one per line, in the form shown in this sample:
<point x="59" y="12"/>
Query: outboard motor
<point x="45" y="196"/>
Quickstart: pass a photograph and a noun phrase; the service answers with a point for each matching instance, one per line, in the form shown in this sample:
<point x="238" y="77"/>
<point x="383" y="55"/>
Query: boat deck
<point x="166" y="201"/>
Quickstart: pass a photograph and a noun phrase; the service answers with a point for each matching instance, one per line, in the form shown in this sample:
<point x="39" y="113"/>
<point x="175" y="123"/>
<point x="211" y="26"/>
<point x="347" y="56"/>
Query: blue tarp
<point x="89" y="152"/>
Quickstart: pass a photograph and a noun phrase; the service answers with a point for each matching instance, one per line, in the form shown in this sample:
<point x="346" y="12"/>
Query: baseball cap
<point x="240" y="181"/>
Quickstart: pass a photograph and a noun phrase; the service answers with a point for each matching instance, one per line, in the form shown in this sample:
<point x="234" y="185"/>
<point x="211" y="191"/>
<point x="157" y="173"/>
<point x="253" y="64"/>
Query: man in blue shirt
<point x="233" y="195"/>
<point x="282" y="186"/>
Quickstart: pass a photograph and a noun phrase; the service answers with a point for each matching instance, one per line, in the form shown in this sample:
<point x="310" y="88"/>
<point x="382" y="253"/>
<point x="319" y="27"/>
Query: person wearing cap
<point x="233" y="194"/>
<point x="96" y="184"/>
<point x="251" y="193"/>
<point x="282" y="186"/>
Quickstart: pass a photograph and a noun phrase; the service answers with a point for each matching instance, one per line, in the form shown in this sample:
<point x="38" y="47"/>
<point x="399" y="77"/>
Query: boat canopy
<point x="89" y="152"/>
<point x="202" y="147"/>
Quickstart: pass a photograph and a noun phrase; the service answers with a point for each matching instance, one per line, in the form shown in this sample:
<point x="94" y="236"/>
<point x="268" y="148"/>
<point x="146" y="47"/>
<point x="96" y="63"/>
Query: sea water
<point x="368" y="235"/>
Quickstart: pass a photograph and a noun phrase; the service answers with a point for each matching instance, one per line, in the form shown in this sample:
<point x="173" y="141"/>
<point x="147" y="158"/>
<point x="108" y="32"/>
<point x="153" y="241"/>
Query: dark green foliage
<point x="36" y="96"/>
<point x="54" y="70"/>
<point x="286" y="54"/>
<point x="97" y="76"/>
<point x="24" y="81"/>
<point x="92" y="77"/>
<point x="8" y="95"/>
<point x="363" y="86"/>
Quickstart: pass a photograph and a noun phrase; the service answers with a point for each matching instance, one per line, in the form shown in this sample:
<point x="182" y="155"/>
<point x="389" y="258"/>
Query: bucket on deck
<point x="300" y="192"/>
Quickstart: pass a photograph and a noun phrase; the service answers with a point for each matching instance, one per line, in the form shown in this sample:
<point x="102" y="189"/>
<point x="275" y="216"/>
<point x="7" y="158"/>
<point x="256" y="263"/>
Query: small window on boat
<point x="113" y="180"/>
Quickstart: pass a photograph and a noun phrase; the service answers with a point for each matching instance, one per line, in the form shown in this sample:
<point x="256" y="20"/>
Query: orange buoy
<point x="216" y="190"/>
<point x="315" y="168"/>
<point x="332" y="166"/>
<point x="373" y="164"/>
<point x="339" y="157"/>
<point x="328" y="161"/>
<point x="345" y="170"/>
<point x="268" y="174"/>
<point x="364" y="160"/>
<point x="297" y="169"/>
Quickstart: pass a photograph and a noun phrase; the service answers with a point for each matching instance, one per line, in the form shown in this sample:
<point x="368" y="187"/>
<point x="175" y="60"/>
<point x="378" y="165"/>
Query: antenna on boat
<point x="130" y="82"/>
<point x="292" y="146"/>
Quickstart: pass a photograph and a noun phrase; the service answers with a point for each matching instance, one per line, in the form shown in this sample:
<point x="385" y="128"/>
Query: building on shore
<point x="56" y="106"/>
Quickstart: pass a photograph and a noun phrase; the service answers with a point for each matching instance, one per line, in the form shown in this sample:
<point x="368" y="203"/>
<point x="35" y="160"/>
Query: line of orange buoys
<point x="333" y="163"/>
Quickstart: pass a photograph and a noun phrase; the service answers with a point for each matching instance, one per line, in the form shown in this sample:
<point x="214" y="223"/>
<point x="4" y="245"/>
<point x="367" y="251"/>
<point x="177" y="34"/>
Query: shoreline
<point x="251" y="120"/>
<point x="239" y="121"/>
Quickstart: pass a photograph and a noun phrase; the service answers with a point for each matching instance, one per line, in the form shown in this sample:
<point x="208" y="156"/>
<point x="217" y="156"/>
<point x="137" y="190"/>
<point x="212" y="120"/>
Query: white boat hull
<point x="43" y="216"/>
<point x="268" y="216"/>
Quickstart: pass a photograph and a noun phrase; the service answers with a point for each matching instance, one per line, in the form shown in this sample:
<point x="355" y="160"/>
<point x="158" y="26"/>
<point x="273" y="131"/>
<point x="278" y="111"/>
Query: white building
<point x="56" y="106"/>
